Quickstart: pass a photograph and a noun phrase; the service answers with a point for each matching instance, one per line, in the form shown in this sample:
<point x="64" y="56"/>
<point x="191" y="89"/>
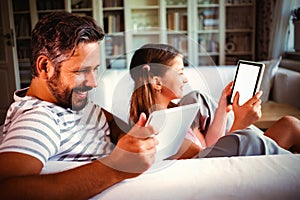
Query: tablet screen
<point x="247" y="80"/>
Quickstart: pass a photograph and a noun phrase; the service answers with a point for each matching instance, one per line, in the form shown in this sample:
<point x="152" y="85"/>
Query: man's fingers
<point x="142" y="120"/>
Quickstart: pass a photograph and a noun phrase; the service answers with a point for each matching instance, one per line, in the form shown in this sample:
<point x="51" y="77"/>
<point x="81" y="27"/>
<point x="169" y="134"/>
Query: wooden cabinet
<point x="207" y="32"/>
<point x="239" y="30"/>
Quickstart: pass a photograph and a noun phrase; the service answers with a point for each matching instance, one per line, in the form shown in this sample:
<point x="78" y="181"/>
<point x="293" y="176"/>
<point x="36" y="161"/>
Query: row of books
<point x="25" y="72"/>
<point x="20" y="5"/>
<point x="179" y="42"/>
<point x="50" y="4"/>
<point x="241" y="18"/>
<point x="177" y="21"/>
<point x="208" y="19"/>
<point x="113" y="23"/>
<point x="242" y="42"/>
<point x="78" y="4"/>
<point x="207" y="45"/>
<point x="113" y="3"/>
<point x="22" y="25"/>
<point x="114" y="45"/>
<point x="24" y="53"/>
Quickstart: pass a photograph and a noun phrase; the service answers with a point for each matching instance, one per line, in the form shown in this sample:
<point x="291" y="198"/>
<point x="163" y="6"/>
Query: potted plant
<point x="296" y="20"/>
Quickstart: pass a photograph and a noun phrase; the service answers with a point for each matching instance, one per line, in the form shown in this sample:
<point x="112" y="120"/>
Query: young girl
<point x="158" y="74"/>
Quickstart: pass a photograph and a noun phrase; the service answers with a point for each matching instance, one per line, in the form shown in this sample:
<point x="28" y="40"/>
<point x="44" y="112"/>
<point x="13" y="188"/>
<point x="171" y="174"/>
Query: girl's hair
<point x="148" y="61"/>
<point x="58" y="34"/>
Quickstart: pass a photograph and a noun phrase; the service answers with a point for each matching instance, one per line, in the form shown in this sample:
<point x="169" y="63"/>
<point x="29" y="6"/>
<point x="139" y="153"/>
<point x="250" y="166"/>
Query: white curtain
<point x="279" y="31"/>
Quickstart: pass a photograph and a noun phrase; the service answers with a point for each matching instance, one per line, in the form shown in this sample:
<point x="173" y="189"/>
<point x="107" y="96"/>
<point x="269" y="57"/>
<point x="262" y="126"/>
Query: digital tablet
<point x="172" y="125"/>
<point x="247" y="80"/>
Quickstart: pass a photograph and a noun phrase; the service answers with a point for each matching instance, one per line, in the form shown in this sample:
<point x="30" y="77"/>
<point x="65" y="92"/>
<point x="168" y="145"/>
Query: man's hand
<point x="135" y="151"/>
<point x="248" y="113"/>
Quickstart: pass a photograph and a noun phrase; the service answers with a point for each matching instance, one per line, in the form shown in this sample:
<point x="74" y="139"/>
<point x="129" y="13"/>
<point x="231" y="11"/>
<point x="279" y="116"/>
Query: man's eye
<point x="82" y="71"/>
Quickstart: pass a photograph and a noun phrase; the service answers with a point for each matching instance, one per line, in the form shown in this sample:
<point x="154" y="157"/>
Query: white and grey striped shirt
<point x="50" y="132"/>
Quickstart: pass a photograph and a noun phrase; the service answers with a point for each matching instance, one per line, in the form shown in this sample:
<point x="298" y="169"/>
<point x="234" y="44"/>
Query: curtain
<point x="279" y="28"/>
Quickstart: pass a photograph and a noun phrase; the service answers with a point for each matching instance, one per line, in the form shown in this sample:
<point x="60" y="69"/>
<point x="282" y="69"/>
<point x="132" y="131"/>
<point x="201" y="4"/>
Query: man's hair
<point x="57" y="35"/>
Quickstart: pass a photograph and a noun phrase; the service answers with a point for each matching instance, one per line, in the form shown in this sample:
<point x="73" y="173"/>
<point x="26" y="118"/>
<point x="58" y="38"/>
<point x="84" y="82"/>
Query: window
<point x="290" y="37"/>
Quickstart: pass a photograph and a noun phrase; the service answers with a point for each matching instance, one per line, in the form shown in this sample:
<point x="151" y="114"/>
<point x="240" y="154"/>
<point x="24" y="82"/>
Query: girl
<point x="158" y="74"/>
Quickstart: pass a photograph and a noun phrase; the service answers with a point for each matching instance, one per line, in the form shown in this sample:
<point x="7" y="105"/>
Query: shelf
<point x="209" y="54"/>
<point x="239" y="53"/>
<point x="176" y="6"/>
<point x="236" y="30"/>
<point x="22" y="12"/>
<point x="144" y="8"/>
<point x="108" y="9"/>
<point x="82" y="10"/>
<point x="239" y="5"/>
<point x="208" y="6"/>
<point x="173" y="32"/>
<point x="48" y="11"/>
<point x="208" y="31"/>
<point x="201" y="31"/>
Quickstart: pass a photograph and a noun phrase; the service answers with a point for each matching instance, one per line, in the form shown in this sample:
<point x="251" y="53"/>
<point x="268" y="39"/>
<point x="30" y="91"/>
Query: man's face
<point x="77" y="76"/>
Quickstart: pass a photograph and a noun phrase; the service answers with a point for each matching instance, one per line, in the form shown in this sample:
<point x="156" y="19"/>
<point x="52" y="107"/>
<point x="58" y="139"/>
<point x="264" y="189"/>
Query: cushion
<point x="271" y="67"/>
<point x="286" y="87"/>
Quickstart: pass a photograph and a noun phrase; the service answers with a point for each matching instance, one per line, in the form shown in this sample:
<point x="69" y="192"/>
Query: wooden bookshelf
<point x="207" y="32"/>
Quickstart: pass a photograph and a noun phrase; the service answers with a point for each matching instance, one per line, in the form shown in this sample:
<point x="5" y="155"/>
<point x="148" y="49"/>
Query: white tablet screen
<point x="247" y="80"/>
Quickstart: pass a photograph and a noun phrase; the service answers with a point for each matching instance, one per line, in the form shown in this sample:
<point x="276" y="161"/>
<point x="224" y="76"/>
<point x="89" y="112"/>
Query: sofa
<point x="253" y="177"/>
<point x="280" y="89"/>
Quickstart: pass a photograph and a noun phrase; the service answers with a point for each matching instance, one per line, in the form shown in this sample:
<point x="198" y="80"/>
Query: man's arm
<point x="20" y="173"/>
<point x="20" y="179"/>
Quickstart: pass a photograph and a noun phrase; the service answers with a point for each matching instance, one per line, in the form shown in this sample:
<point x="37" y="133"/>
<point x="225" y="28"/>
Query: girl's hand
<point x="248" y="113"/>
<point x="223" y="103"/>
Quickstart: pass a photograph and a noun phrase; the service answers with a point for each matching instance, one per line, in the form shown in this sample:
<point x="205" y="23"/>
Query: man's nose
<point x="91" y="79"/>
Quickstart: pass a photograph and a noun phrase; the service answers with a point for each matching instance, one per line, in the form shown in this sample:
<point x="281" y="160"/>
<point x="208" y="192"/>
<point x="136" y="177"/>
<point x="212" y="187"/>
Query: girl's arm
<point x="218" y="126"/>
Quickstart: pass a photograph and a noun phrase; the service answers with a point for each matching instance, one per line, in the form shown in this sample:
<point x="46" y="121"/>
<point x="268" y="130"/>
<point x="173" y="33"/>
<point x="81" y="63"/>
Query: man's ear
<point x="44" y="67"/>
<point x="157" y="85"/>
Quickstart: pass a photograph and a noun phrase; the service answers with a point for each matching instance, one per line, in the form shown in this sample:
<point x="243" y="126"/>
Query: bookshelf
<point x="114" y="27"/>
<point x="177" y="24"/>
<point x="209" y="36"/>
<point x="239" y="31"/>
<point x="22" y="22"/>
<point x="207" y="32"/>
<point x="143" y="21"/>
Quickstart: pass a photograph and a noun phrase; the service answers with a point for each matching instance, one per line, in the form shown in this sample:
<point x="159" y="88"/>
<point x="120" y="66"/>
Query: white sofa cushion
<point x="252" y="177"/>
<point x="286" y="88"/>
<point x="271" y="68"/>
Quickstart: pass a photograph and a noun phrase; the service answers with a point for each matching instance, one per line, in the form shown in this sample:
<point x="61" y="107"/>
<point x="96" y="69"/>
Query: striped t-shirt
<point x="50" y="132"/>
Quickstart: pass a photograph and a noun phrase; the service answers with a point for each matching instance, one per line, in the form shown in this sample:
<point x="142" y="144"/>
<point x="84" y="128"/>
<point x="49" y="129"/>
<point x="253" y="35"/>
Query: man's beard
<point x="64" y="95"/>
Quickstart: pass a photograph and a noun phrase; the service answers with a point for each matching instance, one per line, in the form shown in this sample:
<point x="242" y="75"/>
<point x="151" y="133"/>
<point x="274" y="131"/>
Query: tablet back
<point x="172" y="125"/>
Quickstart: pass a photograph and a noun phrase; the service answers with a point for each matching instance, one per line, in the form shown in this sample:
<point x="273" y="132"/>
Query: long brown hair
<point x="148" y="61"/>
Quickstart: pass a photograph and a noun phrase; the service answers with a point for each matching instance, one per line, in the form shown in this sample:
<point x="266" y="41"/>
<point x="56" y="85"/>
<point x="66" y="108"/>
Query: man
<point x="53" y="120"/>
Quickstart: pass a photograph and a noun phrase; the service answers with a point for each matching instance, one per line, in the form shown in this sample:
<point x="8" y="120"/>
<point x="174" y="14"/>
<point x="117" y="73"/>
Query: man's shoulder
<point x="27" y="106"/>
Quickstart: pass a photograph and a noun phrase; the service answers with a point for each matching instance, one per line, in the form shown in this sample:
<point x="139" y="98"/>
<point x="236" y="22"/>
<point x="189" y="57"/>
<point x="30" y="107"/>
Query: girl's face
<point x="174" y="79"/>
